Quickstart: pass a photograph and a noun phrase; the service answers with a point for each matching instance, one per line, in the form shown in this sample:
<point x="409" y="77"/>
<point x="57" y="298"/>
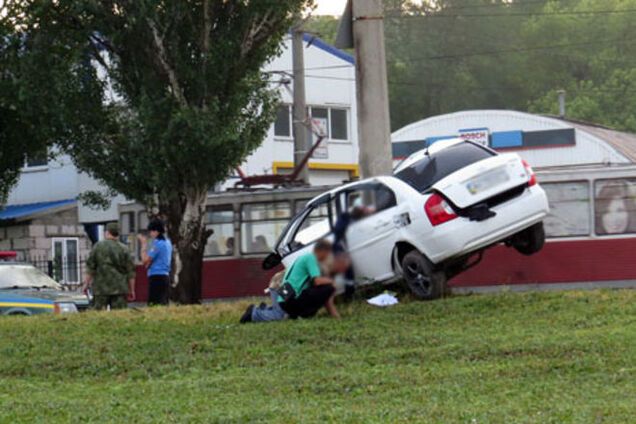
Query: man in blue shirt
<point x="157" y="259"/>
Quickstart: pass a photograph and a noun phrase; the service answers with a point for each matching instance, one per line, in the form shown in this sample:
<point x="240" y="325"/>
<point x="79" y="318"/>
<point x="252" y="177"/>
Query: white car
<point x="429" y="221"/>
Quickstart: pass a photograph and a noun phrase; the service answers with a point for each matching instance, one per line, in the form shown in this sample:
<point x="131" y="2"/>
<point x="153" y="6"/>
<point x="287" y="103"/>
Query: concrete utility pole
<point x="299" y="109"/>
<point x="561" y="94"/>
<point x="374" y="127"/>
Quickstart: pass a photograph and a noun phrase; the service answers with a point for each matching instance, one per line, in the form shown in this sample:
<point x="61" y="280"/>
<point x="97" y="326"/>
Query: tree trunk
<point x="186" y="229"/>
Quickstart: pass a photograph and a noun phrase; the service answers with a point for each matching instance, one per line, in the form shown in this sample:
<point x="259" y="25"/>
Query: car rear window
<point x="422" y="174"/>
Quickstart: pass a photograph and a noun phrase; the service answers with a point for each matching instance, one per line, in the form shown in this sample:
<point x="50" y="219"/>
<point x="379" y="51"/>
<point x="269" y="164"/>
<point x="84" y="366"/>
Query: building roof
<point x="544" y="141"/>
<point x="315" y="41"/>
<point x="26" y="211"/>
<point x="624" y="142"/>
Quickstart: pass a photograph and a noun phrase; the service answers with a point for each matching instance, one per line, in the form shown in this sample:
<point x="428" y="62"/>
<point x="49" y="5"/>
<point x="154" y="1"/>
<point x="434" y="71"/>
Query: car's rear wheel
<point x="423" y="280"/>
<point x="530" y="240"/>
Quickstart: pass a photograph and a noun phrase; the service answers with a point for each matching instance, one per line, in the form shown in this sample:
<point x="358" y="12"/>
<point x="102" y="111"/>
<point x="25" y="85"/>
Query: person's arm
<point x="131" y="278"/>
<point x="322" y="281"/>
<point x="88" y="281"/>
<point x="131" y="290"/>
<point x="146" y="259"/>
<point x="331" y="307"/>
<point x="90" y="271"/>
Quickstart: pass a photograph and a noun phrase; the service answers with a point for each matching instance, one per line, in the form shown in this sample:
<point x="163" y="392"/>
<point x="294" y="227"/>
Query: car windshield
<point x="424" y="173"/>
<point x="25" y="276"/>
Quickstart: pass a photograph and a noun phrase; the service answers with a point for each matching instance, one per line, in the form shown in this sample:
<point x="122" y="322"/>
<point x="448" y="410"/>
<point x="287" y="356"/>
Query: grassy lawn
<point x="508" y="358"/>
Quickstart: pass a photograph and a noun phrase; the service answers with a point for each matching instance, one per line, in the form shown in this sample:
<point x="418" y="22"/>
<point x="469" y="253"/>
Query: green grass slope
<point x="510" y="358"/>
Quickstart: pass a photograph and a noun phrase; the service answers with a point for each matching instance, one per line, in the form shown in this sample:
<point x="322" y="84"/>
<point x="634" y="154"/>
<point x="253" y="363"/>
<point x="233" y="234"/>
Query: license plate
<point x="486" y="181"/>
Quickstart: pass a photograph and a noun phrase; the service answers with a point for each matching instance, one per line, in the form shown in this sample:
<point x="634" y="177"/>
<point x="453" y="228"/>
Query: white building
<point x="330" y="94"/>
<point x="543" y="141"/>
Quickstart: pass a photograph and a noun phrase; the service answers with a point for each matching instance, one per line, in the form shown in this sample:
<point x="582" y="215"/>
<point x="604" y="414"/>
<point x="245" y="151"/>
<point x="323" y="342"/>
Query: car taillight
<point x="438" y="210"/>
<point x="532" y="178"/>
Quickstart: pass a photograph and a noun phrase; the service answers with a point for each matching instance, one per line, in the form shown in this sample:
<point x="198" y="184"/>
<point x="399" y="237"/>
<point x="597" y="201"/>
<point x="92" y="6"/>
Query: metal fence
<point x="67" y="271"/>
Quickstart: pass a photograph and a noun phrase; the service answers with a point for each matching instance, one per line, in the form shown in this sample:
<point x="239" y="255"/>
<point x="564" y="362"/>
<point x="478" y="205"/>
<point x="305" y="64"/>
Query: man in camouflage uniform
<point x="111" y="272"/>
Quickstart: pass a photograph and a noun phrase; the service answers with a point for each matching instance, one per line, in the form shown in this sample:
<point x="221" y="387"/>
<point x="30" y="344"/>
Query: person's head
<point x="359" y="210"/>
<point x="322" y="250"/>
<point x="613" y="209"/>
<point x="341" y="263"/>
<point x="156" y="229"/>
<point x="112" y="231"/>
<point x="229" y="243"/>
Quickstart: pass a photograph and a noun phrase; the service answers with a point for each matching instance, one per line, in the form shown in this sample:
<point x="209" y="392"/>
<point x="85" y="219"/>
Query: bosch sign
<point x="478" y="135"/>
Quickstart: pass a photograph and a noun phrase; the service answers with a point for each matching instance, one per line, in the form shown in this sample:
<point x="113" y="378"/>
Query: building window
<point x="569" y="209"/>
<point x="282" y="125"/>
<point x="336" y="119"/>
<point x="65" y="257"/>
<point x="615" y="206"/>
<point x="220" y="219"/>
<point x="339" y="124"/>
<point x="262" y="224"/>
<point x="320" y="113"/>
<point x="37" y="160"/>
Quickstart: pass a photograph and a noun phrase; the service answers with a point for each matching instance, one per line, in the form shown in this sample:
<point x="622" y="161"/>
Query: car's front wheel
<point x="530" y="240"/>
<point x="420" y="275"/>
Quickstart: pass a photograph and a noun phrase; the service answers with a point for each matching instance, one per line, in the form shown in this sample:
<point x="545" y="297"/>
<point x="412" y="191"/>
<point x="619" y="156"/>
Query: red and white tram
<point x="591" y="234"/>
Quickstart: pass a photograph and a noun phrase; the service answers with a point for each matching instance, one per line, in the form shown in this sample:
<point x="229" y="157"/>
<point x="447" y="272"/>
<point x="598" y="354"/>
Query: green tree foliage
<point x="450" y="55"/>
<point x="33" y="82"/>
<point x="185" y="100"/>
<point x="323" y="26"/>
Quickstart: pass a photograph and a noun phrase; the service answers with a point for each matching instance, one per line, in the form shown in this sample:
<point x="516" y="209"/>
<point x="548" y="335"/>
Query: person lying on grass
<point x="304" y="289"/>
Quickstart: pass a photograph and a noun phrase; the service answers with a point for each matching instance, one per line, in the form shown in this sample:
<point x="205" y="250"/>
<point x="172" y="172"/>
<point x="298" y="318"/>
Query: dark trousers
<point x="115" y="301"/>
<point x="309" y="302"/>
<point x="158" y="289"/>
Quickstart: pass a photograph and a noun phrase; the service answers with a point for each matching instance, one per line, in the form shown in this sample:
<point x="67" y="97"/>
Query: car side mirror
<point x="271" y="261"/>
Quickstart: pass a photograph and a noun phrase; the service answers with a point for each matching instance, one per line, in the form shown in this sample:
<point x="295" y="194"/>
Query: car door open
<point x="370" y="236"/>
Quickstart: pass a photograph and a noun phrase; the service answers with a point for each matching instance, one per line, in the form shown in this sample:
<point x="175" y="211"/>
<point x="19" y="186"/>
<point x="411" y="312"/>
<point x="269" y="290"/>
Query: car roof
<point x="381" y="179"/>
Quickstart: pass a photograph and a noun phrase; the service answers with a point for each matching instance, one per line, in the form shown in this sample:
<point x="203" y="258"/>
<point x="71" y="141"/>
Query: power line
<point x="499" y="5"/>
<point x="351" y="66"/>
<point x="513" y="50"/>
<point x="519" y="14"/>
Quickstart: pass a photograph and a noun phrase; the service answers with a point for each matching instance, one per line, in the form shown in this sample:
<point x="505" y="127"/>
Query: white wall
<point x="56" y="181"/>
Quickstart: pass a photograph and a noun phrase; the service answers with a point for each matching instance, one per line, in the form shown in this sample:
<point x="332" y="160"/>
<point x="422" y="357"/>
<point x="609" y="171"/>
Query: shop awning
<point x="21" y="212"/>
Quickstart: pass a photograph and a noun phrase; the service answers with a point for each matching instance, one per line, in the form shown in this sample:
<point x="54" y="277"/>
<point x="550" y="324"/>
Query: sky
<point x="330" y="7"/>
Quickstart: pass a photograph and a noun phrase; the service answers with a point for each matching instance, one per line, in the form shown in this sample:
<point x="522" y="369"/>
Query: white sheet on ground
<point x="382" y="300"/>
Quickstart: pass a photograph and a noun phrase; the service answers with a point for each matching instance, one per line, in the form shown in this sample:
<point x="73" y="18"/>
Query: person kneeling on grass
<point x="310" y="290"/>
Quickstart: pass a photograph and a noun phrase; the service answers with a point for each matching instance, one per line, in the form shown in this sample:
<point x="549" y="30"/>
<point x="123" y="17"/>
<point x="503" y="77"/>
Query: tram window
<point x="220" y="219"/>
<point x="569" y="209"/>
<point x="143" y="221"/>
<point x="615" y="206"/>
<point x="315" y="225"/>
<point x="262" y="224"/>
<point x="300" y="205"/>
<point x="127" y="230"/>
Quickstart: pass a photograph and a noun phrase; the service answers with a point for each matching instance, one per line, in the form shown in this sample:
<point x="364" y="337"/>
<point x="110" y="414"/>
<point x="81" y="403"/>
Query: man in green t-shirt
<point x="312" y="290"/>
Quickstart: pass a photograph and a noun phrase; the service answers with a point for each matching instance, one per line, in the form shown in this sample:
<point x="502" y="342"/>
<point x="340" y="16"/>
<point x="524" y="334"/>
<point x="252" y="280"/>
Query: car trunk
<point x="499" y="176"/>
